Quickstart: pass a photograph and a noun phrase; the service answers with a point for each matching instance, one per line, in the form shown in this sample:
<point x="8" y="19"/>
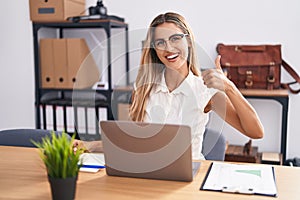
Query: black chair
<point x="23" y="137"/>
<point x="214" y="145"/>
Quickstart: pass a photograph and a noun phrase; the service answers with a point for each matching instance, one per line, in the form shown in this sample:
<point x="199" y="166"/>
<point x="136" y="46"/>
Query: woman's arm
<point x="237" y="112"/>
<point x="231" y="105"/>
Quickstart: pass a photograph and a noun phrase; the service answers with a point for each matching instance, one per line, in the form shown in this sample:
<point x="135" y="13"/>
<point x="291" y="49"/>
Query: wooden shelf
<point x="264" y="93"/>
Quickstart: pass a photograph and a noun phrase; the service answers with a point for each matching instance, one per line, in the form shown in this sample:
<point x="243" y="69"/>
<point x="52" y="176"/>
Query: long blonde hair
<point x="151" y="67"/>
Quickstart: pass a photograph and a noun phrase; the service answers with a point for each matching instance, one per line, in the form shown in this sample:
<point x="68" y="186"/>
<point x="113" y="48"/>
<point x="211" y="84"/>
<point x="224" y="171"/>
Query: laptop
<point x="148" y="150"/>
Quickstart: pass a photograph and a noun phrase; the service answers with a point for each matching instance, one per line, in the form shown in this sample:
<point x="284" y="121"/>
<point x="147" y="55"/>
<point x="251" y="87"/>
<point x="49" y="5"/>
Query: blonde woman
<point x="169" y="87"/>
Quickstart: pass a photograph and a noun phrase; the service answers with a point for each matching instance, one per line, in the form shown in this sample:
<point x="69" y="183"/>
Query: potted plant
<point x="61" y="163"/>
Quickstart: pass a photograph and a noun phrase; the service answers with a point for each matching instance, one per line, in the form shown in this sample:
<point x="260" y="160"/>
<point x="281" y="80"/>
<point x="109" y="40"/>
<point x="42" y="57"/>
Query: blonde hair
<point x="151" y="67"/>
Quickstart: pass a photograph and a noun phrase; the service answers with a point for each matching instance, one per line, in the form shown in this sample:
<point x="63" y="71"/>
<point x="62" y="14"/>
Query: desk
<point x="23" y="176"/>
<point x="281" y="96"/>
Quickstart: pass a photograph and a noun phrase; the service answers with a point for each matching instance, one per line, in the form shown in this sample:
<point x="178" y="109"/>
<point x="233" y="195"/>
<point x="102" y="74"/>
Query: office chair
<point x="23" y="137"/>
<point x="214" y="145"/>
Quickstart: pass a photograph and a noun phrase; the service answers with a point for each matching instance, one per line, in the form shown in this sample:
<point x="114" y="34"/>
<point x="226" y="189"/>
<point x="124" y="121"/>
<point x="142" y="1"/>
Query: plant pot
<point x="63" y="189"/>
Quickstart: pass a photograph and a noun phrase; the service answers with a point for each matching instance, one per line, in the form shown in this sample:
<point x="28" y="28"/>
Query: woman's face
<point x="171" y="46"/>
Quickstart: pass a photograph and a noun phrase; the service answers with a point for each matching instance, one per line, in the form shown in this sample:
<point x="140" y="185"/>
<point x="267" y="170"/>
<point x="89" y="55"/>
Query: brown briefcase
<point x="255" y="66"/>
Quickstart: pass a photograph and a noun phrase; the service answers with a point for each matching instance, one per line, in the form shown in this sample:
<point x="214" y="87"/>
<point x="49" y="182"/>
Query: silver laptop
<point x="148" y="150"/>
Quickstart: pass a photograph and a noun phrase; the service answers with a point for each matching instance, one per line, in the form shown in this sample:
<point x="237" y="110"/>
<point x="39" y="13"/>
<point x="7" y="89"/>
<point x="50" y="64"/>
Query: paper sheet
<point x="93" y="159"/>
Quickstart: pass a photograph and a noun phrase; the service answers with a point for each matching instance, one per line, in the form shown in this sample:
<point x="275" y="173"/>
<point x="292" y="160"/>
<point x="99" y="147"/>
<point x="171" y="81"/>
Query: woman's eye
<point x="159" y="43"/>
<point x="175" y="38"/>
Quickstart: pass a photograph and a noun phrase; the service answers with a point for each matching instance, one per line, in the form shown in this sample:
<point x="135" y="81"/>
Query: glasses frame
<point x="182" y="35"/>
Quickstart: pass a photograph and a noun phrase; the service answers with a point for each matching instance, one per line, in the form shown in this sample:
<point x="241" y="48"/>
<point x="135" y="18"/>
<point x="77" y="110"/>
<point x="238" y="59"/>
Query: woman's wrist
<point x="230" y="87"/>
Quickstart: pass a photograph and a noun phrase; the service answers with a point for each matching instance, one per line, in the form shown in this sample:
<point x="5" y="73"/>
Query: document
<point x="49" y="117"/>
<point x="70" y="119"/>
<point x="81" y="123"/>
<point x="241" y="178"/>
<point x="92" y="121"/>
<point x="91" y="162"/>
<point x="59" y="118"/>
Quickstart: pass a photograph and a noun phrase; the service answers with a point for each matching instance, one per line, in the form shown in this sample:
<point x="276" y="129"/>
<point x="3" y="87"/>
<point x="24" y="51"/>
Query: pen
<point x="93" y="166"/>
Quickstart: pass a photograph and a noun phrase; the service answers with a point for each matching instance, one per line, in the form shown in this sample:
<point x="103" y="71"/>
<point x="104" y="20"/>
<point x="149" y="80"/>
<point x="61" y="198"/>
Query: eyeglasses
<point x="175" y="39"/>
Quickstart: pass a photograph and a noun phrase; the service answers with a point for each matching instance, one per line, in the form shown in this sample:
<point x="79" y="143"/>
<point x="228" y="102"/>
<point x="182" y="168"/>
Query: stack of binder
<point x="66" y="63"/>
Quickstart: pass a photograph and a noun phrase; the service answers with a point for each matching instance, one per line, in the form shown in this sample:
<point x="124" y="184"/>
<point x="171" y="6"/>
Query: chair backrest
<point x="214" y="145"/>
<point x="23" y="137"/>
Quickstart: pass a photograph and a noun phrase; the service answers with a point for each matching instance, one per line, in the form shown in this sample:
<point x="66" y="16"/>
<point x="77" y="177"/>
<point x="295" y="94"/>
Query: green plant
<point x="58" y="155"/>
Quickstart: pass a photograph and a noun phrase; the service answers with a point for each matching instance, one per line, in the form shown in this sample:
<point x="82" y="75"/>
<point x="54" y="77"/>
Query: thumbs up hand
<point x="215" y="78"/>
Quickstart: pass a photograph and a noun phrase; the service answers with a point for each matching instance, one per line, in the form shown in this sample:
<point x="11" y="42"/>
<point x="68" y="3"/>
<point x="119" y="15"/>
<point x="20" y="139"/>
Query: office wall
<point x="230" y="21"/>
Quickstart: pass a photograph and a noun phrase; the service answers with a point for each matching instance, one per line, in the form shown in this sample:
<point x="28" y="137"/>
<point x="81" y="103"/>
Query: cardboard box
<point x="55" y="10"/>
<point x="67" y="63"/>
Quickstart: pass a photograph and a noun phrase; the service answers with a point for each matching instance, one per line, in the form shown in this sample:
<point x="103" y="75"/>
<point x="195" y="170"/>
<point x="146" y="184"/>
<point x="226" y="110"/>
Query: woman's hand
<point x="215" y="78"/>
<point x="79" y="144"/>
<point x="90" y="146"/>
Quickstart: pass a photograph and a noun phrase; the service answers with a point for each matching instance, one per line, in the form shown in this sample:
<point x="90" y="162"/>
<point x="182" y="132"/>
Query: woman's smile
<point x="172" y="57"/>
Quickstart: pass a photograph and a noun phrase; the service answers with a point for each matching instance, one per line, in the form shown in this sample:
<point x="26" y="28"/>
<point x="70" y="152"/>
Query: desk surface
<point x="23" y="176"/>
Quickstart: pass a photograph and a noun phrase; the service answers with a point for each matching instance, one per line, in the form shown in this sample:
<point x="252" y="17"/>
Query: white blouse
<point x="184" y="105"/>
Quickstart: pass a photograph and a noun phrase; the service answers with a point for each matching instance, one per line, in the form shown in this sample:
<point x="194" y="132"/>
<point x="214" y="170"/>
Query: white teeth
<point x="172" y="56"/>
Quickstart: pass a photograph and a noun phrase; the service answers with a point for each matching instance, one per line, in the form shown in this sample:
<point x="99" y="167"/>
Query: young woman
<point x="169" y="87"/>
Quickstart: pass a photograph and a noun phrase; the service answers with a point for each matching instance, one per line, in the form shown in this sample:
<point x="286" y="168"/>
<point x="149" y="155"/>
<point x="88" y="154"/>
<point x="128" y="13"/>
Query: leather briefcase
<point x="255" y="66"/>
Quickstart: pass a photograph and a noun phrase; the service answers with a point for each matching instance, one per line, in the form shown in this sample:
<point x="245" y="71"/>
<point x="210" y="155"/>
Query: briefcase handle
<point x="294" y="74"/>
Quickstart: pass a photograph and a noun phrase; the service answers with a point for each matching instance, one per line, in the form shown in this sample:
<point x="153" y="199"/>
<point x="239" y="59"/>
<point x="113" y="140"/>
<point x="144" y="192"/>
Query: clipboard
<point x="251" y="179"/>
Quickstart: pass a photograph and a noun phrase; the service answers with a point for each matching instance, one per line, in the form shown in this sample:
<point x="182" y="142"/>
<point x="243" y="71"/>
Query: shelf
<point x="265" y="93"/>
<point x="83" y="24"/>
<point x="76" y="98"/>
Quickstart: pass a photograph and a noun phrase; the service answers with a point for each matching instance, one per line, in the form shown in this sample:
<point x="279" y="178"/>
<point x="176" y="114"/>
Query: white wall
<point x="16" y="62"/>
<point x="214" y="21"/>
